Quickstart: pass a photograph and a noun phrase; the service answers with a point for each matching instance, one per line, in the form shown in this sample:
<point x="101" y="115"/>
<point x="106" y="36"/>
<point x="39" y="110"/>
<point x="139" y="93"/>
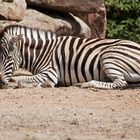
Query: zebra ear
<point x="14" y="40"/>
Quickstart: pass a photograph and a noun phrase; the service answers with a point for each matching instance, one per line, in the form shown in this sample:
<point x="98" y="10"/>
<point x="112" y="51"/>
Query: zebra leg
<point x="117" y="78"/>
<point x="43" y="79"/>
<point x="116" y="84"/>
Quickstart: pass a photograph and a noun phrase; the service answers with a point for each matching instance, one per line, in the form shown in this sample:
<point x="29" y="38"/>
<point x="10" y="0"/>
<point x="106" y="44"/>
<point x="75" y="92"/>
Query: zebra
<point x="67" y="60"/>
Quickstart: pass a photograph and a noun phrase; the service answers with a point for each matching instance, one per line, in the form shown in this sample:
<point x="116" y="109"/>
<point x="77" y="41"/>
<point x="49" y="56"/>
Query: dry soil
<point x="69" y="113"/>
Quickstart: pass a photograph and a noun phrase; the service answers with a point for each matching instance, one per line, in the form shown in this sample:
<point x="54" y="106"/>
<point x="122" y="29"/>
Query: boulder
<point x="96" y="22"/>
<point x="61" y="23"/>
<point x="12" y="10"/>
<point x="92" y="12"/>
<point x="65" y="17"/>
<point x="73" y="6"/>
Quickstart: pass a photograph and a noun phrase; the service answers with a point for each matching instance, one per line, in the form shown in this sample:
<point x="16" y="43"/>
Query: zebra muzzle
<point x="3" y="84"/>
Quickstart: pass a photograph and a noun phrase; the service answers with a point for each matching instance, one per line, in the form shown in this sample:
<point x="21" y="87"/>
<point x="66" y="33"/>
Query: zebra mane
<point x="14" y="27"/>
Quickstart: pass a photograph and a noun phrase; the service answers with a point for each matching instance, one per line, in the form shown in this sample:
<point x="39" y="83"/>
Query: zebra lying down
<point x="98" y="63"/>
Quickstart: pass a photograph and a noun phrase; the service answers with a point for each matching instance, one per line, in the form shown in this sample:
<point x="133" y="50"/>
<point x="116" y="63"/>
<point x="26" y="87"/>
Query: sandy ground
<point x="69" y="114"/>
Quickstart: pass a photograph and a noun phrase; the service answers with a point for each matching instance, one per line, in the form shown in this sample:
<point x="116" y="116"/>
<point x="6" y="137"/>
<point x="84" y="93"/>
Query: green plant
<point x="123" y="19"/>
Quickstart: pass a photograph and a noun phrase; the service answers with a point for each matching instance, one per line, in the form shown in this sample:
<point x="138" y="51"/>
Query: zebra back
<point x="29" y="32"/>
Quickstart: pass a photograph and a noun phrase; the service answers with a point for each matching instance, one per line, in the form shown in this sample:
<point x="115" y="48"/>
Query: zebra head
<point x="9" y="57"/>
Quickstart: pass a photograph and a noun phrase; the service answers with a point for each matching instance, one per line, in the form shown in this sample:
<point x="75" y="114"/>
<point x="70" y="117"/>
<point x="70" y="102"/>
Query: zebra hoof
<point x="22" y="84"/>
<point x="19" y="85"/>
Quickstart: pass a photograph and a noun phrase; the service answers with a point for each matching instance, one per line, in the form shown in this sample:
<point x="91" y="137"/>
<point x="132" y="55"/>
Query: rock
<point x="88" y="6"/>
<point x="77" y="18"/>
<point x="85" y="30"/>
<point x="92" y="12"/>
<point x="96" y="22"/>
<point x="36" y="19"/>
<point x="12" y="10"/>
<point x="61" y="23"/>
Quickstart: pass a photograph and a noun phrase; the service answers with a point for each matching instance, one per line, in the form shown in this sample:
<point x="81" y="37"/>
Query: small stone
<point x="42" y="96"/>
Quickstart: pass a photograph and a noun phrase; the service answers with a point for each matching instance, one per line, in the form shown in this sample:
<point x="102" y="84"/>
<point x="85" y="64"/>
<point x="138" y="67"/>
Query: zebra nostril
<point x="3" y="84"/>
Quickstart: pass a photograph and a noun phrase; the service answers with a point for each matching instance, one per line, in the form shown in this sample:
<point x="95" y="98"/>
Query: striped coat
<point x="99" y="63"/>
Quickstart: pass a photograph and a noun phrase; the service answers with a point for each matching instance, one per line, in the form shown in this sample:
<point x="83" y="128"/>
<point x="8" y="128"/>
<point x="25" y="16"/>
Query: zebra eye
<point x="11" y="48"/>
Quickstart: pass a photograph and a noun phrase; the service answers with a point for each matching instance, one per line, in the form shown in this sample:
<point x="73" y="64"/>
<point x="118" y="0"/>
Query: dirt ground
<point x="69" y="113"/>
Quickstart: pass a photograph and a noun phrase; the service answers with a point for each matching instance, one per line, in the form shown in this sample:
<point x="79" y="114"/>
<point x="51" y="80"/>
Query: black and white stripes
<point x="99" y="63"/>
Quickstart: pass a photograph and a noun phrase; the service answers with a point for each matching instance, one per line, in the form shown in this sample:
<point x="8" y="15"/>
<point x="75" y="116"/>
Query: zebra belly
<point x="71" y="77"/>
<point x="70" y="74"/>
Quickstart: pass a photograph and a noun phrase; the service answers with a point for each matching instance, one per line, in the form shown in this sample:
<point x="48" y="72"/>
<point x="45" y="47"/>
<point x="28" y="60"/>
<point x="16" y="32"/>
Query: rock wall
<point x="65" y="17"/>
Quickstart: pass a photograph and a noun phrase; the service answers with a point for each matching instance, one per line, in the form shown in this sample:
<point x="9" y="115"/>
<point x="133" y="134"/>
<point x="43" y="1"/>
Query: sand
<point x="69" y="113"/>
